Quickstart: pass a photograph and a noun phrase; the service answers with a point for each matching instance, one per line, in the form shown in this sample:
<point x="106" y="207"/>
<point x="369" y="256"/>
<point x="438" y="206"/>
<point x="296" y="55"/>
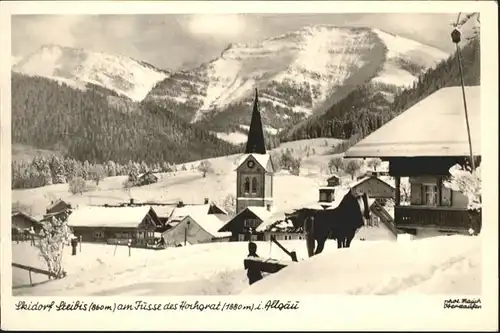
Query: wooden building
<point x="246" y="222"/>
<point x="146" y="178"/>
<point x="115" y="225"/>
<point x="22" y="222"/>
<point x="280" y="229"/>
<point x="195" y="229"/>
<point x="327" y="193"/>
<point x="182" y="210"/>
<point x="374" y="187"/>
<point x="423" y="143"/>
<point x="57" y="206"/>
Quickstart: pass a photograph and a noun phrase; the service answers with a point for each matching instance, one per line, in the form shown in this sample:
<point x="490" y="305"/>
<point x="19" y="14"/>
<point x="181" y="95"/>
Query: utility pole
<point x="456" y="37"/>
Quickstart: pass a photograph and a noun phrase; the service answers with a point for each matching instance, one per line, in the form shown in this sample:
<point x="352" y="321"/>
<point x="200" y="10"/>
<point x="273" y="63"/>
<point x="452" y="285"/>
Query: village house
<point x="115" y="225"/>
<point x="243" y="225"/>
<point x="280" y="227"/>
<point x="182" y="210"/>
<point x="423" y="143"/>
<point x="146" y="178"/>
<point x="23" y="222"/>
<point x="57" y="207"/>
<point x="195" y="229"/>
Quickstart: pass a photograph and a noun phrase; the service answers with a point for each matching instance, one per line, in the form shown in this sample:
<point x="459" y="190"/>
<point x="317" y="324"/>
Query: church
<point x="254" y="184"/>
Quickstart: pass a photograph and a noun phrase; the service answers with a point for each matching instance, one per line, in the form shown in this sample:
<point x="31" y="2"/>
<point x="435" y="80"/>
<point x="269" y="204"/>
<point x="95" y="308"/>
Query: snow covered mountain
<point x="297" y="73"/>
<point x="77" y="67"/>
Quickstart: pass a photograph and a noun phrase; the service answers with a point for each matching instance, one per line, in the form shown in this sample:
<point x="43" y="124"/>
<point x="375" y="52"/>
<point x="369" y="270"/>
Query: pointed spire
<point x="255" y="141"/>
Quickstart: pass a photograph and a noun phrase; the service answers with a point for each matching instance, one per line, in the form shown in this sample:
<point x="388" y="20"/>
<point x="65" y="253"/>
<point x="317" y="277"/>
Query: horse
<point x="340" y="223"/>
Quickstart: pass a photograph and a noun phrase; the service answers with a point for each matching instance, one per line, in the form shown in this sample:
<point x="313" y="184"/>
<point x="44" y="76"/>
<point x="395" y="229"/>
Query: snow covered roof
<point x="433" y="127"/>
<point x="17" y="213"/>
<point x="261" y="212"/>
<point x="180" y="212"/>
<point x="163" y="210"/>
<point x="211" y="224"/>
<point x="364" y="179"/>
<point x="269" y="220"/>
<point x="262" y="159"/>
<point x="328" y="187"/>
<point x="94" y="216"/>
<point x="55" y="203"/>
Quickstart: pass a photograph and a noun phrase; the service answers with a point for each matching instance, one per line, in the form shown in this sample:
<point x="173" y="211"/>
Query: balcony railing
<point x="436" y="217"/>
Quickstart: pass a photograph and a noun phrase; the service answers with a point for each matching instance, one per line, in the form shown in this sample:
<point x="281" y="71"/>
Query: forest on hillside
<point x="367" y="108"/>
<point x="97" y="127"/>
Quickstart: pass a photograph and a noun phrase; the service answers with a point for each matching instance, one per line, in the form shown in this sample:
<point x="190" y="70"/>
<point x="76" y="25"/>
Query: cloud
<point x="217" y="26"/>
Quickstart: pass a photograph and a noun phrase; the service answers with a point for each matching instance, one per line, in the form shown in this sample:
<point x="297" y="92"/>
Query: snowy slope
<point x="402" y="51"/>
<point x="298" y="71"/>
<point x="436" y="265"/>
<point x="123" y="75"/>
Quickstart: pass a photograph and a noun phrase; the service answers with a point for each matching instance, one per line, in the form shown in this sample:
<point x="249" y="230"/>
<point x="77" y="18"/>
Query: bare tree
<point x="205" y="167"/>
<point x="97" y="173"/>
<point x="351" y="167"/>
<point x="374" y="163"/>
<point x="336" y="163"/>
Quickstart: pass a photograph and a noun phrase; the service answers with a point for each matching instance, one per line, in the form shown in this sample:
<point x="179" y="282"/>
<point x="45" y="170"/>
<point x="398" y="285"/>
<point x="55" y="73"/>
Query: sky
<point x="173" y="41"/>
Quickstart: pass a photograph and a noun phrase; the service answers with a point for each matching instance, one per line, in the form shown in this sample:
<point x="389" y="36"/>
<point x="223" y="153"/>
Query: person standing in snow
<point x="253" y="274"/>
<point x="32" y="235"/>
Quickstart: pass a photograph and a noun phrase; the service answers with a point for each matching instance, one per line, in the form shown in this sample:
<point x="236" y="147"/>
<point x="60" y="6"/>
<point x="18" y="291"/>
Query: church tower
<point x="254" y="175"/>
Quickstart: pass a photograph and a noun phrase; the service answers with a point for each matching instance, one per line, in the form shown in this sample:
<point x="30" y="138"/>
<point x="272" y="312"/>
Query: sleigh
<point x="270" y="265"/>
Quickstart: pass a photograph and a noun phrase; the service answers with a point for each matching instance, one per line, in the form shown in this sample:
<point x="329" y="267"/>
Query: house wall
<point x="268" y="186"/>
<point x="93" y="234"/>
<point x="283" y="236"/>
<point x="193" y="233"/>
<point x="458" y="200"/>
<point x="237" y="225"/>
<point x="22" y="222"/>
<point x="375" y="188"/>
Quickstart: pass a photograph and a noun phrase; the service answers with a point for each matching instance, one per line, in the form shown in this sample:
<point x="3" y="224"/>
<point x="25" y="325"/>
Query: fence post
<point x="80" y="243"/>
<point x="31" y="281"/>
<point x="129" y="246"/>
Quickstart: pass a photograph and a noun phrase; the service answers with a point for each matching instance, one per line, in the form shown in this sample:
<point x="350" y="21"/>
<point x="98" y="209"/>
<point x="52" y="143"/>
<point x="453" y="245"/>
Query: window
<point x="241" y="237"/>
<point x="247" y="185"/>
<point x="250" y="223"/>
<point x="322" y="196"/>
<point x="254" y="185"/>
<point x="253" y="237"/>
<point x="99" y="234"/>
<point x="430" y="194"/>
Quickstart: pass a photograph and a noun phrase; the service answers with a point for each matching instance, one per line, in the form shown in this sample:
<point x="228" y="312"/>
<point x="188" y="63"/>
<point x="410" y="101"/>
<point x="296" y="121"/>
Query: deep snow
<point x="377" y="266"/>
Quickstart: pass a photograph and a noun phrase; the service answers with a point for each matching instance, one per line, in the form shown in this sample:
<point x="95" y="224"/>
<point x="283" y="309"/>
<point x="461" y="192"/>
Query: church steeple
<point x="255" y="141"/>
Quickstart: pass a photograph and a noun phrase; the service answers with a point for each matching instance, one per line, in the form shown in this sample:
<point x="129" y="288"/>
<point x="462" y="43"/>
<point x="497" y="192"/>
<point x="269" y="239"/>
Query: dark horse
<point x="340" y="223"/>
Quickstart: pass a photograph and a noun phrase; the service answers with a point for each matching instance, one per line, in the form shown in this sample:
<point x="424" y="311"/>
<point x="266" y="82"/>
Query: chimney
<point x="268" y="206"/>
<point x="180" y="204"/>
<point x="131" y="201"/>
<point x="207" y="200"/>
